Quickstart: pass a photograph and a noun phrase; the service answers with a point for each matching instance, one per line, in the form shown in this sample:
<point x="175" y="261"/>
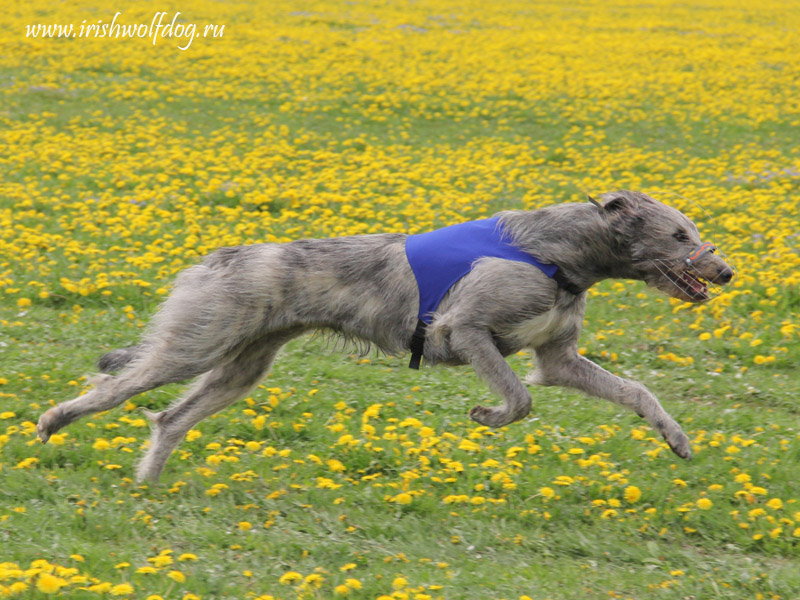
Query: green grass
<point x="76" y="505"/>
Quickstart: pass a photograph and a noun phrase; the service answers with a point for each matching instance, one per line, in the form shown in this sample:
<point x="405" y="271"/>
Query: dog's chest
<point x="540" y="329"/>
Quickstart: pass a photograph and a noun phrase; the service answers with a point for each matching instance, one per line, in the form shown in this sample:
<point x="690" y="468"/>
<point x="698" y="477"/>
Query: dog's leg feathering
<point x="477" y="348"/>
<point x="116" y="359"/>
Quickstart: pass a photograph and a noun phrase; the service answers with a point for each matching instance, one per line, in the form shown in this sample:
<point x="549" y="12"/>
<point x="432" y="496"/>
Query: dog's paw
<point x="491" y="417"/>
<point x="680" y="444"/>
<point x="49" y="423"/>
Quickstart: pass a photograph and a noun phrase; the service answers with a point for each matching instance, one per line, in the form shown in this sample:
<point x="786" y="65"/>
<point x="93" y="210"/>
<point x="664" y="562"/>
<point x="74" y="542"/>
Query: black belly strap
<point x="417" y="344"/>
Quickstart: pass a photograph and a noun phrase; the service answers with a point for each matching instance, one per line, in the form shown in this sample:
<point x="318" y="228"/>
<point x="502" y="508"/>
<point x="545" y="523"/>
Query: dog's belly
<point x="539" y="330"/>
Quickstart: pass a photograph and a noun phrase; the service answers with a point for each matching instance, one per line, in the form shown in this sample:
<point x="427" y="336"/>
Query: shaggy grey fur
<point x="227" y="318"/>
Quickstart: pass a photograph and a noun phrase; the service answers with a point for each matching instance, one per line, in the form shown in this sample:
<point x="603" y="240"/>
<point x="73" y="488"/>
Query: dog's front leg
<point x="558" y="366"/>
<point x="476" y="347"/>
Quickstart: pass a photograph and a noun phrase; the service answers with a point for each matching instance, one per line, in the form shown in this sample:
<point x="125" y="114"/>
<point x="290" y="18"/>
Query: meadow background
<point x="348" y="476"/>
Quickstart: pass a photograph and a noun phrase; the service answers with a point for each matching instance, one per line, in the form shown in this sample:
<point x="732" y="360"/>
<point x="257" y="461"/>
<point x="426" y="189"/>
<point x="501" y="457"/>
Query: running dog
<point x="524" y="287"/>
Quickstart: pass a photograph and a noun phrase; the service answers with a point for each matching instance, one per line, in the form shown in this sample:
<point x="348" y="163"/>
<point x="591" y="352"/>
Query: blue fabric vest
<point x="442" y="257"/>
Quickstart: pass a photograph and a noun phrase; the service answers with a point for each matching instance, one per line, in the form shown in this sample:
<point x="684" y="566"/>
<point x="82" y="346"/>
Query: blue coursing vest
<point x="442" y="257"/>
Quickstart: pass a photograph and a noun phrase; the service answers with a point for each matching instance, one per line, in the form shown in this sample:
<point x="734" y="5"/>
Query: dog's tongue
<point x="697" y="286"/>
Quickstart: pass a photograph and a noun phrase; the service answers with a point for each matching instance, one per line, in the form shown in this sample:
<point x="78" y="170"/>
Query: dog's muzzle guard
<point x="688" y="279"/>
<point x="700" y="251"/>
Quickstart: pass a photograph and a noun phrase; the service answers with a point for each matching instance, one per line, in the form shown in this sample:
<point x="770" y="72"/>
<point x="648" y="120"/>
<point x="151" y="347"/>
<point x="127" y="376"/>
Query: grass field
<point x="348" y="476"/>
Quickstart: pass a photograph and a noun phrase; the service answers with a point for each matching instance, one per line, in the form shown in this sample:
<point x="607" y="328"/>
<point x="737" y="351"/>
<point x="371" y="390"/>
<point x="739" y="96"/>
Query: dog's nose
<point x="725" y="275"/>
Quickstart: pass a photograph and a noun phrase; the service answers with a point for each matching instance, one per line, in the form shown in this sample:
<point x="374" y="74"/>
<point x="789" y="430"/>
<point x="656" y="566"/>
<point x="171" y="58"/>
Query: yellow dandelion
<point x="353" y="584"/>
<point x="122" y="589"/>
<point x="704" y="504"/>
<point x="632" y="494"/>
<point x="775" y="503"/>
<point x="187" y="556"/>
<point x="547" y="493"/>
<point x="290" y="577"/>
<point x="50" y="584"/>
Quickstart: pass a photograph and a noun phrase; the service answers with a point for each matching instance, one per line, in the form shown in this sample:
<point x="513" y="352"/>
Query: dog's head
<point x="665" y="247"/>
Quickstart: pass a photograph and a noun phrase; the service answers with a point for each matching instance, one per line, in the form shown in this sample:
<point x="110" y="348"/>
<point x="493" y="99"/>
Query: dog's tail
<point x="116" y="359"/>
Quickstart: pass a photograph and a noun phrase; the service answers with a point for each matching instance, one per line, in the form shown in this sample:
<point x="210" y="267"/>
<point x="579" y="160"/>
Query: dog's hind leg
<point x="109" y="391"/>
<point x="559" y="365"/>
<point x="214" y="391"/>
<point x="477" y="347"/>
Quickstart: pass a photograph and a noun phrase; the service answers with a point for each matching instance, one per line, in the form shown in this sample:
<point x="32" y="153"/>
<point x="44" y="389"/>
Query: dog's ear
<point x="620" y="206"/>
<point x="623" y="214"/>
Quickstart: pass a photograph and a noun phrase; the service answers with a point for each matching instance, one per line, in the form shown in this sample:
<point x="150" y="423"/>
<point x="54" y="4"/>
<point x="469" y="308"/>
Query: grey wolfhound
<point x="227" y="318"/>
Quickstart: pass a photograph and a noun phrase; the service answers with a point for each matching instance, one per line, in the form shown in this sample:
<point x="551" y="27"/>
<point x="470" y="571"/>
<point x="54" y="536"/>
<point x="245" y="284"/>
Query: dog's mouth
<point x="692" y="284"/>
<point x="685" y="284"/>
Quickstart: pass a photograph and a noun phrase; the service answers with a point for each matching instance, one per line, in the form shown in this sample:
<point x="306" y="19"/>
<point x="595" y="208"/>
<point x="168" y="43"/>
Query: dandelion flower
<point x="632" y="494"/>
<point x="353" y="584"/>
<point x="547" y="492"/>
<point x="704" y="504"/>
<point x="290" y="577"/>
<point x="187" y="556"/>
<point x="122" y="589"/>
<point x="49" y="584"/>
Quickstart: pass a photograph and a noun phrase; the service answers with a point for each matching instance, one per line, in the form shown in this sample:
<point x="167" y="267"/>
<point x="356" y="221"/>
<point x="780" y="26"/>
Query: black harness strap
<point x="417" y="344"/>
<point x="565" y="284"/>
<point x="418" y="338"/>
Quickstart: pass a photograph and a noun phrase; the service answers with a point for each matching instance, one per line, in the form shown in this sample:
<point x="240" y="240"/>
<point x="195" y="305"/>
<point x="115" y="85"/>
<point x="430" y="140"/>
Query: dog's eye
<point x="681" y="236"/>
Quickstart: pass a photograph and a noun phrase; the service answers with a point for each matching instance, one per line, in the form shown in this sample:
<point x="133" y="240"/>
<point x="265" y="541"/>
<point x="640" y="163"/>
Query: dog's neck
<point x="575" y="237"/>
